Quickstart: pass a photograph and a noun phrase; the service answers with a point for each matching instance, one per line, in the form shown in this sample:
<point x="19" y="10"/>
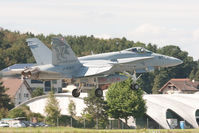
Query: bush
<point x="38" y="117"/>
<point x="3" y="113"/>
<point x="17" y="112"/>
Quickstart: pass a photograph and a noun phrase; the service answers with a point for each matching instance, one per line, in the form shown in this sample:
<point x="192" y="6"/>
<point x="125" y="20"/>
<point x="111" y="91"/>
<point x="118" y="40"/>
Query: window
<point x="26" y="95"/>
<point x="59" y="90"/>
<point x="77" y="84"/>
<point x="54" y="81"/>
<point x="20" y="96"/>
<point x="47" y="86"/>
<point x="197" y="86"/>
<point x="139" y="50"/>
<point x="47" y="89"/>
<point x="36" y="82"/>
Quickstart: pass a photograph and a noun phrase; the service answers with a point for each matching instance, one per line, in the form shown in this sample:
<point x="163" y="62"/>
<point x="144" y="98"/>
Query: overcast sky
<point x="159" y="22"/>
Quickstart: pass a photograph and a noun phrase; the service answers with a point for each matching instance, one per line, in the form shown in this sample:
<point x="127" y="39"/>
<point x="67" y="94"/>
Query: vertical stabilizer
<point x="62" y="53"/>
<point x="40" y="51"/>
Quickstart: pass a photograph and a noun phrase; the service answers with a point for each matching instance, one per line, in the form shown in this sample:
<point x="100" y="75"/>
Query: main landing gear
<point x="98" y="92"/>
<point x="134" y="85"/>
<point x="76" y="92"/>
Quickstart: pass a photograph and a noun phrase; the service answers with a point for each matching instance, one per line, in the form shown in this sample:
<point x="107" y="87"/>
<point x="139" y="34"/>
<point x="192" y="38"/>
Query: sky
<point x="160" y="22"/>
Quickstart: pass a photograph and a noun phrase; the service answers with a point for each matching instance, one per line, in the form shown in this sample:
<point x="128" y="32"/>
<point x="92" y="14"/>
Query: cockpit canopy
<point x="138" y="50"/>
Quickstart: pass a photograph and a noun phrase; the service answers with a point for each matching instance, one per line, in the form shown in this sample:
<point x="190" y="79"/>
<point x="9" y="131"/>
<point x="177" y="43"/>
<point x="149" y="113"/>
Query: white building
<point x="161" y="109"/>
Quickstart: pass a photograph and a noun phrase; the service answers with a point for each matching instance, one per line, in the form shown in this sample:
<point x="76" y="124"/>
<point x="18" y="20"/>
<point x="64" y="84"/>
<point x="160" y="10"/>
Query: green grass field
<point x="76" y="130"/>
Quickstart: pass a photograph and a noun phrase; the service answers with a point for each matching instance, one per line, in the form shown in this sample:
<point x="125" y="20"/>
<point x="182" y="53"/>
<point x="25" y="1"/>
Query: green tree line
<point x="13" y="49"/>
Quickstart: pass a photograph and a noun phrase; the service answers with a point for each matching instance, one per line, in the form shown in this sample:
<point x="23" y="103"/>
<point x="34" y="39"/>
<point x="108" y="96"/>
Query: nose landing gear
<point x="134" y="85"/>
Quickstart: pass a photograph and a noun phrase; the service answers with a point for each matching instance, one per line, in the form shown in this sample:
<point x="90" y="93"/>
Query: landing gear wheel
<point x="75" y="93"/>
<point x="98" y="92"/>
<point x="134" y="86"/>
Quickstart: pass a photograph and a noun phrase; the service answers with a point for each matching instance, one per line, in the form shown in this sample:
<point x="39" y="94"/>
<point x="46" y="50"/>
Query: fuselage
<point x="134" y="59"/>
<point x="157" y="60"/>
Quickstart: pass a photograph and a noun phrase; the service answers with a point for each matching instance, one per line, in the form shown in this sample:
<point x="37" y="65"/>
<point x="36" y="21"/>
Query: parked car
<point x="41" y="124"/>
<point x="3" y="124"/>
<point x="29" y="123"/>
<point x="18" y="124"/>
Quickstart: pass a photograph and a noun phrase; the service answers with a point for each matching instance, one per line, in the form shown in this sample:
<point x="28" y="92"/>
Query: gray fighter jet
<point x="61" y="63"/>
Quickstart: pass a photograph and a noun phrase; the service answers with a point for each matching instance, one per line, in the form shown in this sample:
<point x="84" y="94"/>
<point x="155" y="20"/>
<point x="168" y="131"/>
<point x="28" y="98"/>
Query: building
<point x="167" y="111"/>
<point x="175" y="86"/>
<point x="18" y="90"/>
<point x="56" y="85"/>
<point x="163" y="111"/>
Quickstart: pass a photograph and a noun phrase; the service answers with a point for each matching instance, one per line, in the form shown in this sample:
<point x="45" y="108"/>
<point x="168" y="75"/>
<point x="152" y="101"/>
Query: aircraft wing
<point x="93" y="68"/>
<point x="97" y="67"/>
<point x="41" y="53"/>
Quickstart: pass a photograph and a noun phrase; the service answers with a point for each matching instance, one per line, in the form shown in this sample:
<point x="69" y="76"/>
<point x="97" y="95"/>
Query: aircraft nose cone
<point x="171" y="61"/>
<point x="178" y="61"/>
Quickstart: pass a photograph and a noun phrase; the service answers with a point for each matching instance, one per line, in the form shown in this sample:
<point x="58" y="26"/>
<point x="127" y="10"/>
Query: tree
<point x="52" y="109"/>
<point x="95" y="109"/>
<point x="146" y="82"/>
<point x="37" y="92"/>
<point x="197" y="76"/>
<point x="3" y="113"/>
<point x="72" y="108"/>
<point x="4" y="98"/>
<point x="159" y="81"/>
<point x="38" y="117"/>
<point x="17" y="112"/>
<point x="123" y="102"/>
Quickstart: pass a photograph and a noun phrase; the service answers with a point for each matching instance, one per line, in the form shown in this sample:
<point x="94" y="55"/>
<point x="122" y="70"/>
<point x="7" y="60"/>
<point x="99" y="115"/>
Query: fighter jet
<point x="61" y="63"/>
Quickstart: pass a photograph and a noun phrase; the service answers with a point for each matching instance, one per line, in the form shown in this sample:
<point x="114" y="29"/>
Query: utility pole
<point x="71" y="122"/>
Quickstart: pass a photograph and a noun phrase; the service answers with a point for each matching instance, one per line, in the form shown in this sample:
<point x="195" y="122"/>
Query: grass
<point x="77" y="130"/>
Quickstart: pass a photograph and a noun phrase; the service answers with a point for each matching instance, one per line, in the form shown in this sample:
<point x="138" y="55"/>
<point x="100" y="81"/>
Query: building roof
<point x="13" y="85"/>
<point x="183" y="84"/>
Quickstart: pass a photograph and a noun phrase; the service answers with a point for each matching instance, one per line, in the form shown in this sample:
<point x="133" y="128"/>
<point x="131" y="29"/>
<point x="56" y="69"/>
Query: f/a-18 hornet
<point x="61" y="63"/>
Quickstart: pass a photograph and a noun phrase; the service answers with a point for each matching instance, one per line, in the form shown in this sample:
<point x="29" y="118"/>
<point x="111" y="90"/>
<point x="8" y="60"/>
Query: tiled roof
<point x="183" y="84"/>
<point x="13" y="84"/>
